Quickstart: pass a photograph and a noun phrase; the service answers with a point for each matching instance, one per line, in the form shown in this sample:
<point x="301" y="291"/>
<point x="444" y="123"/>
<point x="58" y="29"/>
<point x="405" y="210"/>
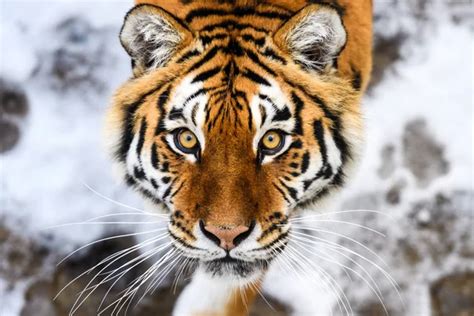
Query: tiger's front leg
<point x="216" y="296"/>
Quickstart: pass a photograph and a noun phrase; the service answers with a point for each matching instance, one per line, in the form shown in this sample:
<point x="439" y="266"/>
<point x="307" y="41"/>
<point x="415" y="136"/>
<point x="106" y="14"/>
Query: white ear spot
<point x="150" y="36"/>
<point x="316" y="39"/>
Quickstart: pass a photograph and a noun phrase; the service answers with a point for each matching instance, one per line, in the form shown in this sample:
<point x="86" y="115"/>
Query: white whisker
<point x="375" y="290"/>
<point x="116" y="202"/>
<point x="109" y="238"/>
<point x="342" y="212"/>
<point x="338" y="222"/>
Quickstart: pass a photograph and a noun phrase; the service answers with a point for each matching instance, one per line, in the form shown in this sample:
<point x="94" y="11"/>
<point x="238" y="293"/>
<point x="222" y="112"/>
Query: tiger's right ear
<point x="152" y="36"/>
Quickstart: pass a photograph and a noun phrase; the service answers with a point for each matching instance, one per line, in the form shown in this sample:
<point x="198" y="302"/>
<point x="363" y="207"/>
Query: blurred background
<point x="59" y="65"/>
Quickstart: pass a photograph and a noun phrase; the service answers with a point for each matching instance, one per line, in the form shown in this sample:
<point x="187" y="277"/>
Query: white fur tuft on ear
<point x="314" y="37"/>
<point x="151" y="36"/>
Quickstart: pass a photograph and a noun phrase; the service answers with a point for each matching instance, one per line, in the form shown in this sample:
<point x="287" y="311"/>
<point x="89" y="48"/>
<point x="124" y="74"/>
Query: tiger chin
<point x="237" y="115"/>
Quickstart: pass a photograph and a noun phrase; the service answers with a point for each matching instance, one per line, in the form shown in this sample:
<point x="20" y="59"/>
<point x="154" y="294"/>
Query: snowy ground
<point x="417" y="167"/>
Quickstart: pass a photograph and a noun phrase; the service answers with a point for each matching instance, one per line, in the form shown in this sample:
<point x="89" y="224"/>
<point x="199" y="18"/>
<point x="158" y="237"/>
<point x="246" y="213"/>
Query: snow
<point x="430" y="88"/>
<point x="44" y="179"/>
<point x="42" y="186"/>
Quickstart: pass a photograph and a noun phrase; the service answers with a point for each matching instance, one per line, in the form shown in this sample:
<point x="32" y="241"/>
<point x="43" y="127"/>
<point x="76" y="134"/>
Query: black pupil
<point x="271" y="138"/>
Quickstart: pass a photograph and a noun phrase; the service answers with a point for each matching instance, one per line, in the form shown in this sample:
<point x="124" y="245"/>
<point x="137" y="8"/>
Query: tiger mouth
<point x="232" y="266"/>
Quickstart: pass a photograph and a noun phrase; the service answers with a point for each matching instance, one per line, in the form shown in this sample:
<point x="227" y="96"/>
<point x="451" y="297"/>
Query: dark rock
<point x="13" y="105"/>
<point x="21" y="258"/>
<point x="388" y="161"/>
<point x="13" y="100"/>
<point x="453" y="295"/>
<point x="410" y="252"/>
<point x="38" y="300"/>
<point x="9" y="135"/>
<point x="386" y="53"/>
<point x="75" y="63"/>
<point x="422" y="154"/>
<point x="261" y="308"/>
<point x="393" y="195"/>
<point x="372" y="309"/>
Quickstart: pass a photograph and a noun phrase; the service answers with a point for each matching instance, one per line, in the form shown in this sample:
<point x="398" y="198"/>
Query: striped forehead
<point x="268" y="105"/>
<point x="187" y="107"/>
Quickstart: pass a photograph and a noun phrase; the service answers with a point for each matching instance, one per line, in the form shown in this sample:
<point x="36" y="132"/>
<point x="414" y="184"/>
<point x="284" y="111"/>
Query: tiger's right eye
<point x="186" y="141"/>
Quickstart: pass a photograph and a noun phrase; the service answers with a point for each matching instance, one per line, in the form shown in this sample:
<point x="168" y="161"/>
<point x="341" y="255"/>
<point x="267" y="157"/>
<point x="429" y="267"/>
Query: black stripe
<point x="318" y="132"/>
<point x="250" y="118"/>
<point x="336" y="129"/>
<point x="177" y="190"/>
<point x="296" y="144"/>
<point x="207" y="39"/>
<point x="272" y="54"/>
<point x="282" y="115"/>
<point x="154" y="184"/>
<point x="141" y="137"/>
<point x="193" y="96"/>
<point x="138" y="173"/>
<point x="154" y="156"/>
<point x="256" y="60"/>
<point x="168" y="191"/>
<point x="292" y="191"/>
<point x="282" y="193"/>
<point x="356" y="79"/>
<point x="299" y="104"/>
<point x="162" y="99"/>
<point x="193" y="113"/>
<point x="257" y="41"/>
<point x="255" y="77"/>
<point x="188" y="55"/>
<point x="238" y="12"/>
<point x="206" y="58"/>
<point x="206" y="74"/>
<point x="233" y="48"/>
<point x="235" y="25"/>
<point x="305" y="162"/>
<point x="176" y="114"/>
<point x="165" y="167"/>
<point x="127" y="135"/>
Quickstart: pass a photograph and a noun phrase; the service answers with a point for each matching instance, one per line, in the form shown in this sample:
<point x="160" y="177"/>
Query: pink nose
<point x="226" y="238"/>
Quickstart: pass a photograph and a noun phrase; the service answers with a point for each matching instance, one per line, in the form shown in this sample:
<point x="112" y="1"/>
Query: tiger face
<point x="235" y="118"/>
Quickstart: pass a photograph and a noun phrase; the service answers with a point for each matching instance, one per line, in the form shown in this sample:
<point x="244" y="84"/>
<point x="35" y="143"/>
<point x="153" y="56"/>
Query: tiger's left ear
<point x="152" y="36"/>
<point x="313" y="37"/>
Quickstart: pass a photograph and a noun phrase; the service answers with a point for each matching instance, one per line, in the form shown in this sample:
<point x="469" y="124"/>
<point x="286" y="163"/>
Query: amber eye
<point x="272" y="142"/>
<point x="186" y="141"/>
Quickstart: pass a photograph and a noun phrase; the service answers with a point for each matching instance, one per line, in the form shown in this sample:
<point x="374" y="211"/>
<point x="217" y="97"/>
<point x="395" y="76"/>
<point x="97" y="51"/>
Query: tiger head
<point x="234" y="119"/>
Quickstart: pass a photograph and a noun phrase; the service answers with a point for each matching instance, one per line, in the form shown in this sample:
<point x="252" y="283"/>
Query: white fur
<point x="207" y="295"/>
<point x="150" y="34"/>
<point x="183" y="91"/>
<point x="323" y="29"/>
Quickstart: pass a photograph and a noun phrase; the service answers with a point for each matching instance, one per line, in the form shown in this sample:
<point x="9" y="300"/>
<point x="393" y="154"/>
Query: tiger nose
<point x="226" y="237"/>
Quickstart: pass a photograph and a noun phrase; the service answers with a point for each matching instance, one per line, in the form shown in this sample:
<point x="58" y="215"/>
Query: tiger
<point x="238" y="114"/>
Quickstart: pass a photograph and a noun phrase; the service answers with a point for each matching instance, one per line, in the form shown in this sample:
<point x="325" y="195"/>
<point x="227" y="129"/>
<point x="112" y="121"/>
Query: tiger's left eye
<point x="186" y="141"/>
<point x="272" y="142"/>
